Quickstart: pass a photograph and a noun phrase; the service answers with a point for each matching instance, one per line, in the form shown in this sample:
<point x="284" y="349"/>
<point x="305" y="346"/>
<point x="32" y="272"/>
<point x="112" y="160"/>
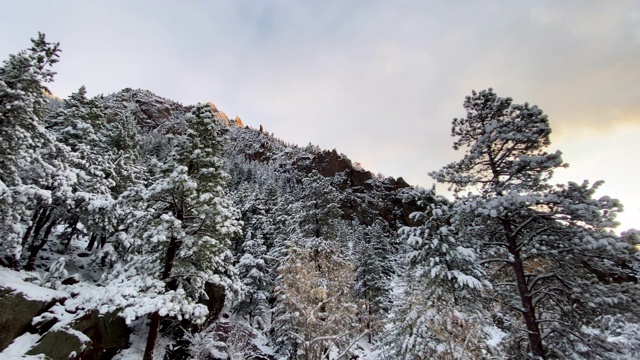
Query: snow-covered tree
<point x="441" y="314"/>
<point x="180" y="234"/>
<point x="73" y="125"/>
<point x="375" y="267"/>
<point x="315" y="309"/>
<point x="46" y="158"/>
<point x="23" y="172"/>
<point x="253" y="263"/>
<point x="122" y="137"/>
<point x="553" y="259"/>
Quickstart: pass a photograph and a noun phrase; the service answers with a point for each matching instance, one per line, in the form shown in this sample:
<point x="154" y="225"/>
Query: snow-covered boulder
<point x="17" y="313"/>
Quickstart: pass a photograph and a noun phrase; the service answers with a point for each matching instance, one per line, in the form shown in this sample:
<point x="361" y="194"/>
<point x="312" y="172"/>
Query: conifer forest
<point x="133" y="226"/>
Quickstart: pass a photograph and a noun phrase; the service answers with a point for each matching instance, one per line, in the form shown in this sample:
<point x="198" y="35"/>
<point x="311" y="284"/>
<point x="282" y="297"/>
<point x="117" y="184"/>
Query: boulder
<point x="16" y="315"/>
<point x="215" y="303"/>
<point x="108" y="332"/>
<point x="92" y="336"/>
<point x="237" y="122"/>
<point x="59" y="345"/>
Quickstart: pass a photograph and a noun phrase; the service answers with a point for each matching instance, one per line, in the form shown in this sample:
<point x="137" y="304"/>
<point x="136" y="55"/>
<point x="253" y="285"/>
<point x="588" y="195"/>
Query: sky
<point x="379" y="81"/>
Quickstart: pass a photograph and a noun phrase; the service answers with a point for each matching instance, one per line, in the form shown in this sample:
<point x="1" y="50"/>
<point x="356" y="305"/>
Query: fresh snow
<point x="20" y="346"/>
<point x="11" y="279"/>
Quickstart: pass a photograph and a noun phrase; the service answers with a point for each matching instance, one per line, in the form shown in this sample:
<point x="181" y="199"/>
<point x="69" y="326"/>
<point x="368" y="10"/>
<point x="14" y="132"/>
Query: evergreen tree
<point x="315" y="310"/>
<point x="73" y="125"/>
<point x="26" y="177"/>
<point x="283" y="321"/>
<point x="23" y="106"/>
<point x="253" y="263"/>
<point x="374" y="271"/>
<point x="441" y="314"/>
<point x="550" y="251"/>
<point x="122" y="137"/>
<point x="181" y="231"/>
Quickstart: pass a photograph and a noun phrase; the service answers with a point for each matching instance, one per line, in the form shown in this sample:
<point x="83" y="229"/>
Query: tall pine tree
<point x="550" y="250"/>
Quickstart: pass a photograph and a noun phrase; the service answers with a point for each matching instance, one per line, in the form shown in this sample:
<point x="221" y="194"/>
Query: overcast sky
<point x="378" y="80"/>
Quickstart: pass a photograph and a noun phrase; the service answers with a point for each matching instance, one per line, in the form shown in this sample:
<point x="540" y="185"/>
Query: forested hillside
<point x="199" y="237"/>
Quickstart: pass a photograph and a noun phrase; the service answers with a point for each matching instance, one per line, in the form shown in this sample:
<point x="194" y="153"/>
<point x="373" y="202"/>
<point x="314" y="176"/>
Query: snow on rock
<point x="14" y="280"/>
<point x="20" y="346"/>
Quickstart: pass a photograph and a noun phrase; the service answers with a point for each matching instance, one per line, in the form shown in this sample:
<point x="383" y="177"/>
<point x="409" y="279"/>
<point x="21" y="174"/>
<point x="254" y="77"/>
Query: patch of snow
<point x="261" y="342"/>
<point x="20" y="346"/>
<point x="138" y="341"/>
<point x="15" y="280"/>
<point x="218" y="354"/>
<point x="495" y="336"/>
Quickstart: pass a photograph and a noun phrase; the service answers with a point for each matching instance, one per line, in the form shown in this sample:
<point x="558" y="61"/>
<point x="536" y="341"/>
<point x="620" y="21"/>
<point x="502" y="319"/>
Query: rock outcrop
<point x="92" y="336"/>
<point x="148" y="109"/>
<point x="220" y="116"/>
<point x="237" y="122"/>
<point x="89" y="336"/>
<point x="17" y="313"/>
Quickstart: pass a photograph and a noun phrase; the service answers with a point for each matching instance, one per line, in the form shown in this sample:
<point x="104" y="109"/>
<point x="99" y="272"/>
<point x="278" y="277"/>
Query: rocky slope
<point x="60" y="326"/>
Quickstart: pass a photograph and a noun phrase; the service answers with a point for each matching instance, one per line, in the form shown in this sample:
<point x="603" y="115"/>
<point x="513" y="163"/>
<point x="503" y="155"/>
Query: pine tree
<point x="441" y="313"/>
<point x="315" y="310"/>
<point x="374" y="272"/>
<point x="44" y="165"/>
<point x="253" y="267"/>
<point x="177" y="235"/>
<point x="73" y="125"/>
<point x="283" y="320"/>
<point x="549" y="250"/>
<point x="23" y="106"/>
<point x="122" y="137"/>
<point x="197" y="213"/>
<point x="26" y="178"/>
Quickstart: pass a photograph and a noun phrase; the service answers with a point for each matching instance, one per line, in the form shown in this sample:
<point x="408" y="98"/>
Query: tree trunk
<point x="153" y="335"/>
<point x="43" y="217"/>
<point x="73" y="231"/>
<point x="370" y="315"/>
<point x="34" y="249"/>
<point x="529" y="311"/>
<point x="172" y="250"/>
<point x="92" y="242"/>
<point x="27" y="234"/>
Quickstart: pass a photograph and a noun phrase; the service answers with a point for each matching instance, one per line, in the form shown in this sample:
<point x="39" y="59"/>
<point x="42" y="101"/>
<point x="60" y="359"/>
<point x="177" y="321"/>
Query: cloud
<point x="376" y="80"/>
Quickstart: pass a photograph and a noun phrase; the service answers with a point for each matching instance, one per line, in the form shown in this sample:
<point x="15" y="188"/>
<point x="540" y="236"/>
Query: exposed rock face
<point x="366" y="197"/>
<point x="108" y="333"/>
<point x="59" y="345"/>
<point x="91" y="336"/>
<point x="16" y="315"/>
<point x="149" y="110"/>
<point x="220" y="116"/>
<point x="237" y="122"/>
<point x="329" y="163"/>
<point x="215" y="303"/>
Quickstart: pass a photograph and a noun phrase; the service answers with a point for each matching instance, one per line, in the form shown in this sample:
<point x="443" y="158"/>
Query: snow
<point x="15" y="280"/>
<point x="138" y="340"/>
<point x="21" y="345"/>
<point x="134" y="253"/>
<point x="262" y="343"/>
<point x="495" y="336"/>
